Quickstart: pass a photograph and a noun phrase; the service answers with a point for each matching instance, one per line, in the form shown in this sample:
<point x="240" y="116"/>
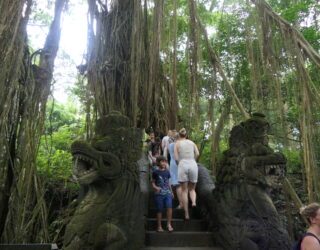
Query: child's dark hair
<point x="160" y="158"/>
<point x="310" y="211"/>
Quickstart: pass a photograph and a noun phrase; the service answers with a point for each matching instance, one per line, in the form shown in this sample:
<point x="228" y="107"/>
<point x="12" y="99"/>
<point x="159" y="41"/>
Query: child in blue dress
<point x="163" y="193"/>
<point x="174" y="169"/>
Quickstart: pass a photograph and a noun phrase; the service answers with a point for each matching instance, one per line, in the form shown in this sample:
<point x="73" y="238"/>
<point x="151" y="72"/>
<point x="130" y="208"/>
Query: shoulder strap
<point x="310" y="234"/>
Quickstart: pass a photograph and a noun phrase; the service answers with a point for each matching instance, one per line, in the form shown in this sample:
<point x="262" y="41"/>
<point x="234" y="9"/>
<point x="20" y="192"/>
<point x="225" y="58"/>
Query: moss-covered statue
<point x="240" y="207"/>
<point x="110" y="214"/>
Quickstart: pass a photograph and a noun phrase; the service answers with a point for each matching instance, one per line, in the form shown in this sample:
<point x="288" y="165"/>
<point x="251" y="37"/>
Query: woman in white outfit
<point x="186" y="153"/>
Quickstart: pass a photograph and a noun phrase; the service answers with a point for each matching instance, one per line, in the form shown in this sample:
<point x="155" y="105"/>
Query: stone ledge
<point x="36" y="246"/>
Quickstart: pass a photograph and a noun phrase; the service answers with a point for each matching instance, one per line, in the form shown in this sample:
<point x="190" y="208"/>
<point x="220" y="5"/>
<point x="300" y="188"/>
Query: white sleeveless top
<point x="186" y="150"/>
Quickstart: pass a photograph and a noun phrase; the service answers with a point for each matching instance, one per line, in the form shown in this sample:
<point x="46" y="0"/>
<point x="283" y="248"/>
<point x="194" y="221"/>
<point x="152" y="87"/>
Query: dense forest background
<point x="201" y="64"/>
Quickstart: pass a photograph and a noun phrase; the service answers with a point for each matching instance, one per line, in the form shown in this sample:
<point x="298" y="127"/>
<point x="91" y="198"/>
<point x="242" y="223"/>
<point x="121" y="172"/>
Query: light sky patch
<point x="72" y="44"/>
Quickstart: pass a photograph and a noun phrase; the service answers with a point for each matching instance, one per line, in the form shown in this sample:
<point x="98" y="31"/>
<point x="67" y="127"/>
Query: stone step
<point x="179" y="239"/>
<point x="182" y="248"/>
<point x="179" y="225"/>
<point x="176" y="213"/>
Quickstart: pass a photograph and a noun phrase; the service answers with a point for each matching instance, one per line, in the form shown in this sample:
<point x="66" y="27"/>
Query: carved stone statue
<point x="110" y="215"/>
<point x="241" y="210"/>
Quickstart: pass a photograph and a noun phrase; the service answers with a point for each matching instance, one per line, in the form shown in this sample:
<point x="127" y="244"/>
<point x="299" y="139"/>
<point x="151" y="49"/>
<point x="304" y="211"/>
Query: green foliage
<point x="206" y="153"/>
<point x="294" y="12"/>
<point x="42" y="17"/>
<point x="312" y="35"/>
<point x="205" y="158"/>
<point x="42" y="13"/>
<point x="54" y="158"/>
<point x="293" y="160"/>
<point x="58" y="115"/>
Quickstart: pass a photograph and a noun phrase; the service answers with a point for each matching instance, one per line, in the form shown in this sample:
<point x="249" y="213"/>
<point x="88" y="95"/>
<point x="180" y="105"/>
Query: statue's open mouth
<point x="83" y="165"/>
<point x="274" y="174"/>
<point x="275" y="170"/>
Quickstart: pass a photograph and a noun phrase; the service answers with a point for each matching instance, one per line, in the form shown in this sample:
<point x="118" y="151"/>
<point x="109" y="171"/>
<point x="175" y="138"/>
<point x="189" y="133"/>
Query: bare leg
<point x="159" y="225"/>
<point x="184" y="199"/>
<point x="169" y="219"/>
<point x="179" y="195"/>
<point x="192" y="192"/>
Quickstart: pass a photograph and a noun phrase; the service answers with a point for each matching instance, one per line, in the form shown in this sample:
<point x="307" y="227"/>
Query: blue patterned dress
<point x="173" y="166"/>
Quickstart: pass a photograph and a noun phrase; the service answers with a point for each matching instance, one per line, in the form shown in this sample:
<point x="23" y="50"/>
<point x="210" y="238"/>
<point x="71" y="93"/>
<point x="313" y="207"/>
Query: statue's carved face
<point x="275" y="170"/>
<point x="92" y="164"/>
<point x="250" y="139"/>
<point x="113" y="150"/>
<point x="274" y="174"/>
<point x="85" y="163"/>
<point x="257" y="129"/>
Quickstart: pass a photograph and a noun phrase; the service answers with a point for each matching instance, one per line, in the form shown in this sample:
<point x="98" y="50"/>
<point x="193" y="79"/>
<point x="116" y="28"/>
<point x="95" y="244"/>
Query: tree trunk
<point x="12" y="42"/>
<point x="23" y="213"/>
<point x="124" y="67"/>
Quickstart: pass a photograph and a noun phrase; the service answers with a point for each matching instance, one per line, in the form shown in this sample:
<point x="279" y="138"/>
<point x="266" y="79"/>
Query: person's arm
<point x="171" y="192"/>
<point x="153" y="159"/>
<point x="154" y="186"/>
<point x="176" y="152"/>
<point x="310" y="243"/>
<point x="196" y="151"/>
<point x="169" y="176"/>
<point x="163" y="143"/>
<point x="158" y="149"/>
<point x="165" y="152"/>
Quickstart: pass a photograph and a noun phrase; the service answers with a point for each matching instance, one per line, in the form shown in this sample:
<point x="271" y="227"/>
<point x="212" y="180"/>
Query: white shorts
<point x="188" y="171"/>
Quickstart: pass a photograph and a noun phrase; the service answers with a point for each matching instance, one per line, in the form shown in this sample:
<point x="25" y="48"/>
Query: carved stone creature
<point x="242" y="212"/>
<point x="110" y="215"/>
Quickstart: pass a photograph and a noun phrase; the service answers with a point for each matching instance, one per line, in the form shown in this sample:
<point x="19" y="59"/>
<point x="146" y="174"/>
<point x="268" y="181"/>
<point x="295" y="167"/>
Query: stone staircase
<point x="187" y="235"/>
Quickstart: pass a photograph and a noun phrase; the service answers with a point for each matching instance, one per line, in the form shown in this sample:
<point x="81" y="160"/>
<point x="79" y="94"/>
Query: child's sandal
<point x="170" y="228"/>
<point x="160" y="230"/>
